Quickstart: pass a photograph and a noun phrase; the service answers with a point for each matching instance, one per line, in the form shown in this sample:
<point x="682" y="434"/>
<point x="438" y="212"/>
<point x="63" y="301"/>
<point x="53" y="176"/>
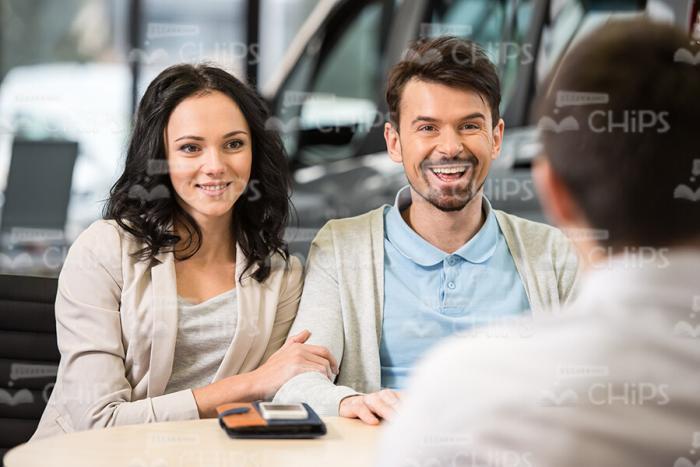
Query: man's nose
<point x="450" y="144"/>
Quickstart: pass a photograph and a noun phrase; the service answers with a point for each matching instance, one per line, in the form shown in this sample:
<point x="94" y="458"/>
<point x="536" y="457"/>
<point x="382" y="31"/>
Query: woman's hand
<point x="293" y="358"/>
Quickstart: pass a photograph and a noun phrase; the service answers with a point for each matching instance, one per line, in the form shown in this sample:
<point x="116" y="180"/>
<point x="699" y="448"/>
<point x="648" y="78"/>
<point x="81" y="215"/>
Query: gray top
<point x="204" y="333"/>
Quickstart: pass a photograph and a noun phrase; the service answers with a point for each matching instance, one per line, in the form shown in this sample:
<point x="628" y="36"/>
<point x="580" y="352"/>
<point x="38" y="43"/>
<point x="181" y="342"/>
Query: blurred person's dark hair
<point x="451" y="61"/>
<point x="260" y="214"/>
<point x="625" y="179"/>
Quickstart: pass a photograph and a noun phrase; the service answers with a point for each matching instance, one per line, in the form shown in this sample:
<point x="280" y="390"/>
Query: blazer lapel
<point x="247" y="329"/>
<point x="164" y="330"/>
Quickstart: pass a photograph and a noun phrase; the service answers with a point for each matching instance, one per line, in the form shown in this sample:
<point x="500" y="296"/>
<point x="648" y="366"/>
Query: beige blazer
<point x="116" y="324"/>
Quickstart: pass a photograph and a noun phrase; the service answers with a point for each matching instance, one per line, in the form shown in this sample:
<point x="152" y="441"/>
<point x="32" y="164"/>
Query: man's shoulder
<point x="348" y="230"/>
<point x="359" y="222"/>
<point x="521" y="226"/>
<point x="534" y="239"/>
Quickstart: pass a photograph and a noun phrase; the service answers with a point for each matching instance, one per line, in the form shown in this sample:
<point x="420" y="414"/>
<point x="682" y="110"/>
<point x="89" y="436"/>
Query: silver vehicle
<point x="328" y="100"/>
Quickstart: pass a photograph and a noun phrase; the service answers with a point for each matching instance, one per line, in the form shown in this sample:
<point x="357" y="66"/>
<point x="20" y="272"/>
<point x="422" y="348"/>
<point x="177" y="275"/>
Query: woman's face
<point x="208" y="147"/>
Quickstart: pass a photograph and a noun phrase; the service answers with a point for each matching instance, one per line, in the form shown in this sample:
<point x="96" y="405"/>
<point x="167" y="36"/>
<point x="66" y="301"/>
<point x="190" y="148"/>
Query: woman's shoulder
<point x="100" y="232"/>
<point x="280" y="263"/>
<point x="284" y="269"/>
<point x="104" y="235"/>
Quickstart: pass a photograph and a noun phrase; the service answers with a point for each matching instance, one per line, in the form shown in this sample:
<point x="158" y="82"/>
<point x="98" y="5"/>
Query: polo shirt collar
<point x="478" y="249"/>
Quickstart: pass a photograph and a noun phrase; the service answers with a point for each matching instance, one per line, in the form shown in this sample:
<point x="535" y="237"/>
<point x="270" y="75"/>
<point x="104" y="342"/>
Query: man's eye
<point x="189" y="148"/>
<point x="470" y="126"/>
<point x="426" y="128"/>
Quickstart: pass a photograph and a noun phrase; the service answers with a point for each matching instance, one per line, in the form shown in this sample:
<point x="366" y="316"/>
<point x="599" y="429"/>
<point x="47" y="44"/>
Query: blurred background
<point x="72" y="71"/>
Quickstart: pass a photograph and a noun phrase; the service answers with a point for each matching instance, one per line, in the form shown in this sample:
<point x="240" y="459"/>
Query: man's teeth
<point x="449" y="170"/>
<point x="213" y="187"/>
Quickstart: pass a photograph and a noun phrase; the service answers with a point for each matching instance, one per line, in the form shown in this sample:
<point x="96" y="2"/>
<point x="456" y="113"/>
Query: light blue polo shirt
<point x="430" y="294"/>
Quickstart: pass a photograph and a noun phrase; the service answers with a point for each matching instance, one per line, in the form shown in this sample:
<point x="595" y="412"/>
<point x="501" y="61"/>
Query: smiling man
<point x="384" y="287"/>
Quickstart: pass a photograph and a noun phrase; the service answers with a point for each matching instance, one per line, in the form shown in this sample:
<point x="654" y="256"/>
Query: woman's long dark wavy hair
<point x="140" y="204"/>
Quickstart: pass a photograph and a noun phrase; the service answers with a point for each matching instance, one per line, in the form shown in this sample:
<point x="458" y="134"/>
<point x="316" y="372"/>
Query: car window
<point x="479" y="20"/>
<point x="485" y="21"/>
<point x="329" y="101"/>
<point x="571" y="20"/>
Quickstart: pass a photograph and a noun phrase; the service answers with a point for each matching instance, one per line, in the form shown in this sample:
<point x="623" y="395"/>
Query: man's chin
<point x="451" y="203"/>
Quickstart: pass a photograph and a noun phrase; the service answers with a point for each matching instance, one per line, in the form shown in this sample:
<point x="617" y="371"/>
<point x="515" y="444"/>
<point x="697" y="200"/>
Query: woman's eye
<point x="189" y="148"/>
<point x="235" y="144"/>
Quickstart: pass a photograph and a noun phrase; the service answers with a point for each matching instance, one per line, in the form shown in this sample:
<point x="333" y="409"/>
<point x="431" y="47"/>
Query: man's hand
<point x="370" y="408"/>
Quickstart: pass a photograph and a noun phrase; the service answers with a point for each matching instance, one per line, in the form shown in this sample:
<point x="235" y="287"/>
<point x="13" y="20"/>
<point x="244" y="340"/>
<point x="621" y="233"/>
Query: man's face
<point x="446" y="142"/>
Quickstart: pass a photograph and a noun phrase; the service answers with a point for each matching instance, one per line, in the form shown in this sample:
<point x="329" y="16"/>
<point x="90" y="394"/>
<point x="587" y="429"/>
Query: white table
<point x="199" y="443"/>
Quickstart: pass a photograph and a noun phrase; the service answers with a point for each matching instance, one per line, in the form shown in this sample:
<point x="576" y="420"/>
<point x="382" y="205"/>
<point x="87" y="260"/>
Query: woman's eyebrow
<point x="199" y="138"/>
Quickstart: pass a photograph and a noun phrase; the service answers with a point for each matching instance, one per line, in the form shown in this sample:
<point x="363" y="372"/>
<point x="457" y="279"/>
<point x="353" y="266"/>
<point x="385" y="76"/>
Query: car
<point x="328" y="104"/>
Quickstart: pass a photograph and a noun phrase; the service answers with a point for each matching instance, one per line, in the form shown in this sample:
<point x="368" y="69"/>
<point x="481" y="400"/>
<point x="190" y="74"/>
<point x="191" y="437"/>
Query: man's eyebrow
<point x="199" y="138"/>
<point x="423" y="118"/>
<point x="474" y="115"/>
<point x="471" y="116"/>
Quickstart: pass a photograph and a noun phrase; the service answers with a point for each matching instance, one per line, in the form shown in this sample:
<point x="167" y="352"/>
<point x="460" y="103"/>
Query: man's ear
<point x="556" y="200"/>
<point x="393" y="143"/>
<point x="498" y="138"/>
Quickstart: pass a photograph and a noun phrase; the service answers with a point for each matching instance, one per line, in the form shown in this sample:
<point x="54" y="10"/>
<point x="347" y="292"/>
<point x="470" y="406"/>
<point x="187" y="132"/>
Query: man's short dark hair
<point x="448" y="60"/>
<point x="619" y="124"/>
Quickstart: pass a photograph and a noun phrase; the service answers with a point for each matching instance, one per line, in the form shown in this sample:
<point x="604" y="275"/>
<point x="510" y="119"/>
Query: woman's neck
<point x="216" y="243"/>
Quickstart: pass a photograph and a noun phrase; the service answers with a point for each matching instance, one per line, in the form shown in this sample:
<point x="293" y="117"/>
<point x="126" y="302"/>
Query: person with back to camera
<point x="181" y="298"/>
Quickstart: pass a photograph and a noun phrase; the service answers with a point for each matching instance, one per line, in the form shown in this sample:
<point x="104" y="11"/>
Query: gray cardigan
<point x="343" y="297"/>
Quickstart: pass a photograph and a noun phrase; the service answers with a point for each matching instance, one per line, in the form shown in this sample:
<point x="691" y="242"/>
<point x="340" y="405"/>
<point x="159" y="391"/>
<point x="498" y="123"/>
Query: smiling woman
<point x="181" y="299"/>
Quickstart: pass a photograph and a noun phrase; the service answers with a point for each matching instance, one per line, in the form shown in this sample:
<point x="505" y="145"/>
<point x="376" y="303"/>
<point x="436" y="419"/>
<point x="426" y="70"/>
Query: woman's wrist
<point x="244" y="387"/>
<point x="237" y="388"/>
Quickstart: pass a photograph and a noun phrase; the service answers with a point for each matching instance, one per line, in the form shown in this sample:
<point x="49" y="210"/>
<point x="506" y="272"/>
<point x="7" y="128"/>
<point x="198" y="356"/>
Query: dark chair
<point x="38" y="191"/>
<point x="28" y="355"/>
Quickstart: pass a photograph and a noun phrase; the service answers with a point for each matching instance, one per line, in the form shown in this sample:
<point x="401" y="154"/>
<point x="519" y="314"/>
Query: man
<point x="614" y="380"/>
<point x="383" y="287"/>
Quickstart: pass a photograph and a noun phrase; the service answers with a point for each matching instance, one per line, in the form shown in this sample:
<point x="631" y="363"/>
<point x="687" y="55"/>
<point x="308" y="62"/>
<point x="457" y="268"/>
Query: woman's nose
<point x="214" y="163"/>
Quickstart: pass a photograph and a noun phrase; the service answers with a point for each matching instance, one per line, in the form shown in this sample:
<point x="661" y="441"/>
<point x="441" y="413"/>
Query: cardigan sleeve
<point x="320" y="313"/>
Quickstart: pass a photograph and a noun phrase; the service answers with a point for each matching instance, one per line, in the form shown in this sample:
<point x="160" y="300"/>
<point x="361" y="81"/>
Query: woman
<point x="181" y="299"/>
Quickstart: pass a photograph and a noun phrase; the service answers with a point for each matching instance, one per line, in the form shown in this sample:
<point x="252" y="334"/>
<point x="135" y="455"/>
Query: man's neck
<point x="447" y="231"/>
